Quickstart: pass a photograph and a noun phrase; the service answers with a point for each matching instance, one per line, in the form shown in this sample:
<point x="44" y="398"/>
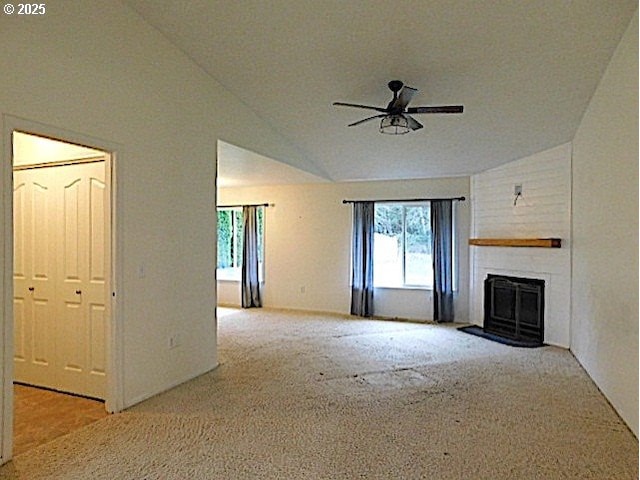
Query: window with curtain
<point x="230" y="238"/>
<point x="402" y="254"/>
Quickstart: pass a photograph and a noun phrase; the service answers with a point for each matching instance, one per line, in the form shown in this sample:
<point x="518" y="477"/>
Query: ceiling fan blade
<point x="413" y="123"/>
<point x="404" y="97"/>
<point x="342" y="104"/>
<point x="365" y="120"/>
<point x="443" y="109"/>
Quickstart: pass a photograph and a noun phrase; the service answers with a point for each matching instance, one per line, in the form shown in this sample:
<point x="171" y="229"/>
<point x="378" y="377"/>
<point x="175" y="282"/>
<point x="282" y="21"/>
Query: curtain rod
<point x="403" y="200"/>
<point x="247" y="205"/>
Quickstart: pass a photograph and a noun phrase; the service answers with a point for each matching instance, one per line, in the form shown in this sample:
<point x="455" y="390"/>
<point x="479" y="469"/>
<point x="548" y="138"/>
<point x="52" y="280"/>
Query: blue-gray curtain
<point x="442" y="253"/>
<point x="362" y="259"/>
<point x="250" y="280"/>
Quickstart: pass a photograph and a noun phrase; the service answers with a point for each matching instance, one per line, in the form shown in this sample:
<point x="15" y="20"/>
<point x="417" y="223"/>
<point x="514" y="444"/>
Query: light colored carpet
<point x="301" y="396"/>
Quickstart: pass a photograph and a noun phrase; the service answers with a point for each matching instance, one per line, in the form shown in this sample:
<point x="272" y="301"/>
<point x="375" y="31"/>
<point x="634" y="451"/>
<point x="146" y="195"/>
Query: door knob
<point x="31" y="289"/>
<point x="78" y="292"/>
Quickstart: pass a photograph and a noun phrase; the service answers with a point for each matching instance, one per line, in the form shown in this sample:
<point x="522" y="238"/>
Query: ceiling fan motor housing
<point x="395" y="86"/>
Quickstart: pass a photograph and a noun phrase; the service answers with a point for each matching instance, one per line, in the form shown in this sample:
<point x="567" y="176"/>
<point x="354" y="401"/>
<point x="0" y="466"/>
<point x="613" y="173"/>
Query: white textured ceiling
<point x="524" y="70"/>
<point x="238" y="167"/>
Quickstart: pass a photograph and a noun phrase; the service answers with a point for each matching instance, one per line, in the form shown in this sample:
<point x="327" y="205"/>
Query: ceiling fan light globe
<point x="394" y="125"/>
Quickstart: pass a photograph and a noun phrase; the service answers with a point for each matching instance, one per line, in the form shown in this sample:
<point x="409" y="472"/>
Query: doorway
<point x="62" y="271"/>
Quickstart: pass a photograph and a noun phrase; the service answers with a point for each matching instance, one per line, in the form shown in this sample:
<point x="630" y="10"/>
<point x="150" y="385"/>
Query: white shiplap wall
<point x="544" y="210"/>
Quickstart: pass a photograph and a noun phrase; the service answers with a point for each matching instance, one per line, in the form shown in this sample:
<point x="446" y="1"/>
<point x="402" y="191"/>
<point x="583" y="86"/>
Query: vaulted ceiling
<point x="524" y="71"/>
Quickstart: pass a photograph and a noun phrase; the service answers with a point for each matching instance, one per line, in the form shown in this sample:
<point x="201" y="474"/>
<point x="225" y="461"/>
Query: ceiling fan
<point x="396" y="117"/>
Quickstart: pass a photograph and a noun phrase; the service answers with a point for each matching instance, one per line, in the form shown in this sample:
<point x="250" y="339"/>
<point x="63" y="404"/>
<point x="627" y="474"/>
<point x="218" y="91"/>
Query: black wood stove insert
<point x="514" y="308"/>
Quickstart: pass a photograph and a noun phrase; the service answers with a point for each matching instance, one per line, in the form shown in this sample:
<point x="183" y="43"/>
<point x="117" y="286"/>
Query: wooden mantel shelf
<point x="516" y="242"/>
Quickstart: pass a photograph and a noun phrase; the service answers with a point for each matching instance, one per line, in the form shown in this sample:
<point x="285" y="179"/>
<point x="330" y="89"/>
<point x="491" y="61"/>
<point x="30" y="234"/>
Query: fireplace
<point x="514" y="308"/>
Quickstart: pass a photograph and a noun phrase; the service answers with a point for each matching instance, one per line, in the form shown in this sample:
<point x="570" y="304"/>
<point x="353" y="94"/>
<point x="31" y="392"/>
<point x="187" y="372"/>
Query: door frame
<point x="114" y="397"/>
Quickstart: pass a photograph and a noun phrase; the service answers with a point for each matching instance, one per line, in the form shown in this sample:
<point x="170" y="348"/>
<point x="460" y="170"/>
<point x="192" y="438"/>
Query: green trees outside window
<point x="230" y="239"/>
<point x="402" y="245"/>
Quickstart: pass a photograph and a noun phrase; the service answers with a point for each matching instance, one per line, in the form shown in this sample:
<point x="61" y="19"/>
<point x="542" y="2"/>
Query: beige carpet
<point x="321" y="397"/>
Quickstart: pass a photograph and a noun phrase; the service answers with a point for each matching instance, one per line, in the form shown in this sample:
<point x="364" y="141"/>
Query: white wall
<point x="604" y="298"/>
<point x="308" y="242"/>
<point x="30" y="149"/>
<point x="543" y="211"/>
<point x="95" y="69"/>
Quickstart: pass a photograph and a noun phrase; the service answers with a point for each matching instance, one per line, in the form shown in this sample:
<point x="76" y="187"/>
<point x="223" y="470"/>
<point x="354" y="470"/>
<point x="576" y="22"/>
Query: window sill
<point x="231" y="280"/>
<point x="427" y="289"/>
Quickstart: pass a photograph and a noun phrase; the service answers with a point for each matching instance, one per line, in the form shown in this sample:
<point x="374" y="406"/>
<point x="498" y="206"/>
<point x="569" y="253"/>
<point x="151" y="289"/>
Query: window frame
<point x="454" y="249"/>
<point x="234" y="273"/>
<point x="403" y="244"/>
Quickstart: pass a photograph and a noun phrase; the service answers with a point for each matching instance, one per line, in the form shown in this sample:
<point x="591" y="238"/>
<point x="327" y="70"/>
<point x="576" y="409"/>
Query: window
<point x="402" y="246"/>
<point x="230" y="239"/>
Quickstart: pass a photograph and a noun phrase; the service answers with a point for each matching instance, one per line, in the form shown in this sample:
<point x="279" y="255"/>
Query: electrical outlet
<point x="303" y="289"/>
<point x="517" y="190"/>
